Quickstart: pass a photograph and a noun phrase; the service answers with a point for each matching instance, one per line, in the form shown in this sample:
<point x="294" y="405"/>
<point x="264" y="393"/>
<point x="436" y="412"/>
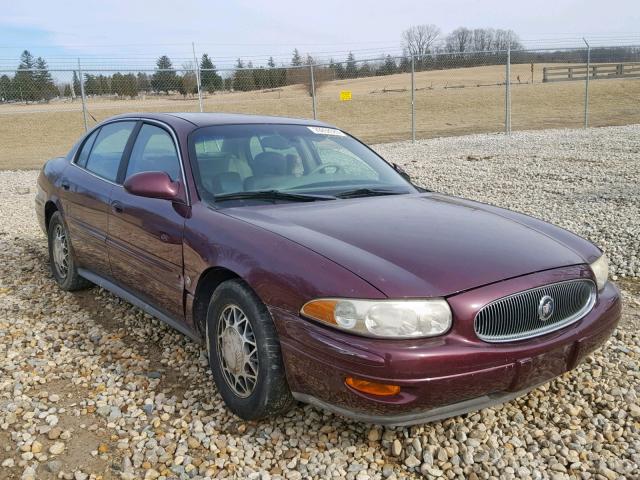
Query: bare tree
<point x="417" y="40"/>
<point x="460" y="40"/>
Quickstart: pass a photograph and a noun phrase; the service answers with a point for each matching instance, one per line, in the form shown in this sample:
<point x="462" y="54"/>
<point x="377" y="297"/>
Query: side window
<point x="154" y="150"/>
<point x="104" y="159"/>
<point x="83" y="156"/>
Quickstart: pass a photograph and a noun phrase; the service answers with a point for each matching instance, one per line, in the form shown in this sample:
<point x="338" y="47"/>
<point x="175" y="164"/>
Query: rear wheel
<point x="61" y="259"/>
<point x="244" y="353"/>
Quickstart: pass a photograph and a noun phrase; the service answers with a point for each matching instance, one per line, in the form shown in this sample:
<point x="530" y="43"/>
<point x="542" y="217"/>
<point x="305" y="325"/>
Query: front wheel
<point x="61" y="258"/>
<point x="244" y="353"/>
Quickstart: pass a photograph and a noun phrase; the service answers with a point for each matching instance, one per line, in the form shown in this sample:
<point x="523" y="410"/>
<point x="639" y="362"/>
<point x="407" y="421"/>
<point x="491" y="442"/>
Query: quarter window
<point x="104" y="159"/>
<point x="153" y="151"/>
<point x="86" y="149"/>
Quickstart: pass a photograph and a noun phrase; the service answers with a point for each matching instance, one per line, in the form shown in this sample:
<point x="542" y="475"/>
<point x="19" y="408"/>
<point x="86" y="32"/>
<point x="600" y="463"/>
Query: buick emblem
<point x="546" y="308"/>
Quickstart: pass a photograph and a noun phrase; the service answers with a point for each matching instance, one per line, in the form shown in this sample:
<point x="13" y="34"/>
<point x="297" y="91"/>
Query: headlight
<point x="383" y="318"/>
<point x="600" y="269"/>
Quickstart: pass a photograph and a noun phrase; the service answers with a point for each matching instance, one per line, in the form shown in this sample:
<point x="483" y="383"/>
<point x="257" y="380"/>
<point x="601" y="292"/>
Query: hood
<point x="420" y="245"/>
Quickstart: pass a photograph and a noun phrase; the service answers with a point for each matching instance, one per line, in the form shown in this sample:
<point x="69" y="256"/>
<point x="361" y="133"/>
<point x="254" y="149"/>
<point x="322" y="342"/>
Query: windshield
<point x="297" y="159"/>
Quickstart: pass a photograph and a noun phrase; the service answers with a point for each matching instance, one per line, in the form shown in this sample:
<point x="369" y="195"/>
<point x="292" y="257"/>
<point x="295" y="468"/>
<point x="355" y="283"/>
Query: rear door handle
<point x="117" y="207"/>
<point x="65" y="185"/>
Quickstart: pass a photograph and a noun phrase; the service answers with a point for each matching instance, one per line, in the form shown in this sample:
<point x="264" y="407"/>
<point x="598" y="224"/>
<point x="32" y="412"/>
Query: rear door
<point x="145" y="234"/>
<point x="87" y="186"/>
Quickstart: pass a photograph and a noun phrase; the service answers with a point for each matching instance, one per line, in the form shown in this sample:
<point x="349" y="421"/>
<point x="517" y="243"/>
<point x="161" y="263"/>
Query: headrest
<point x="227" y="182"/>
<point x="277" y="142"/>
<point x="269" y="163"/>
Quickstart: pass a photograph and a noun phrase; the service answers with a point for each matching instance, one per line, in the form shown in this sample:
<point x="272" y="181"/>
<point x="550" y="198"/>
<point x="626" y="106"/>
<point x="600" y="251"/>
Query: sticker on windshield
<point x="327" y="131"/>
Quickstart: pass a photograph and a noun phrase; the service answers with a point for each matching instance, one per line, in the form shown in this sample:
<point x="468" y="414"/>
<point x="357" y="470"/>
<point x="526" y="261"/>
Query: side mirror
<point x="152" y="185"/>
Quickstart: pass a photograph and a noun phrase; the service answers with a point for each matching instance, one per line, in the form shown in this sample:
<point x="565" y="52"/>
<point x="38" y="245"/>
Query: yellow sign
<point x="345" y="95"/>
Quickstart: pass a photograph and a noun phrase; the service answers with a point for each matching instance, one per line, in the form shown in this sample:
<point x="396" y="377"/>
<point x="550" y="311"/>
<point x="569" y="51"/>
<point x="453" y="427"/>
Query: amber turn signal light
<point x="372" y="388"/>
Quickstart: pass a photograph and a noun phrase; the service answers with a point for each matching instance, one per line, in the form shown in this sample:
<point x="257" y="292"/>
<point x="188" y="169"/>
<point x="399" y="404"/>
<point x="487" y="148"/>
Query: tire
<point x="61" y="258"/>
<point x="242" y="339"/>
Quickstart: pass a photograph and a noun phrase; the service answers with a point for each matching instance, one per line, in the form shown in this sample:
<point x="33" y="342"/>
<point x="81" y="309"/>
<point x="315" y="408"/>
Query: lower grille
<point x="535" y="312"/>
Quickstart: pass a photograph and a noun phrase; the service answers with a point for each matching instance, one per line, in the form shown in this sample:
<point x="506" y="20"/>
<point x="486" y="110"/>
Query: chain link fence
<point x="43" y="112"/>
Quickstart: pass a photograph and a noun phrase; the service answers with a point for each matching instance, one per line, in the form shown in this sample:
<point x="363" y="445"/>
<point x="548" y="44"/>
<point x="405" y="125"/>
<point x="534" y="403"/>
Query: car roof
<point x="210" y="119"/>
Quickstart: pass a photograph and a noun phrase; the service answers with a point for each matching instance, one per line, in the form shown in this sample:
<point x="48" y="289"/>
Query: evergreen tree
<point x="389" y="66"/>
<point x="209" y="78"/>
<point x="243" y="78"/>
<point x="144" y="85"/>
<point x="351" y="71"/>
<point x="76" y="85"/>
<point x="24" y="80"/>
<point x="91" y="85"/>
<point x="271" y="63"/>
<point x="45" y="89"/>
<point x="365" y="70"/>
<point x="164" y="79"/>
<point x="67" y="90"/>
<point x="6" y="90"/>
<point x="296" y="60"/>
<point x="104" y="84"/>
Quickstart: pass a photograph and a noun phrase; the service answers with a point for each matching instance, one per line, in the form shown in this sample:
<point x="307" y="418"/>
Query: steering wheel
<point x="337" y="168"/>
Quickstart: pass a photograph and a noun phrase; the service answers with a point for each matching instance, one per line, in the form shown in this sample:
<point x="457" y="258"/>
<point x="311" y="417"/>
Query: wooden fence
<point x="597" y="71"/>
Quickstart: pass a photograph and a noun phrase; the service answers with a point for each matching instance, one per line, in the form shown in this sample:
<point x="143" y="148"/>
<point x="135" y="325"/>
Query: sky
<point x="127" y="31"/>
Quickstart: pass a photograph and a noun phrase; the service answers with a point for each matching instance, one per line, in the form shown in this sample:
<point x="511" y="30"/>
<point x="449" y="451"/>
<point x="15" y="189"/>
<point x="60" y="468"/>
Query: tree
<point x="417" y="40"/>
<point x="77" y="90"/>
<point x="144" y="85"/>
<point x="164" y="79"/>
<point x="351" y="71"/>
<point x="365" y="70"/>
<point x="45" y="89"/>
<point x="67" y="90"/>
<point x="24" y="79"/>
<point x="296" y="60"/>
<point x="459" y="41"/>
<point x="209" y="78"/>
<point x="242" y="78"/>
<point x="6" y="89"/>
<point x="271" y="63"/>
<point x="91" y="85"/>
<point x="388" y="67"/>
<point x="189" y="82"/>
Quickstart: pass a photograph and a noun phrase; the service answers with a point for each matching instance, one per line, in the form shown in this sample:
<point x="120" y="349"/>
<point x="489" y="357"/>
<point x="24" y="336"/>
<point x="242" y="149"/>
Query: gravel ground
<point x="91" y="387"/>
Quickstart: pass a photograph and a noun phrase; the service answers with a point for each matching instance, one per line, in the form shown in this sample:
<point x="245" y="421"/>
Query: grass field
<point x="448" y="102"/>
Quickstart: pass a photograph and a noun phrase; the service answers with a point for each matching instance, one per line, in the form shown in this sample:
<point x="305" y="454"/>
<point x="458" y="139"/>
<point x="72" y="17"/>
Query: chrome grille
<point x="517" y="316"/>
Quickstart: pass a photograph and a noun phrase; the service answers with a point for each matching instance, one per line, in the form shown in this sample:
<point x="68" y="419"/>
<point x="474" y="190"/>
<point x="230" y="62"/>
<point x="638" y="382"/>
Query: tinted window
<point x="154" y="150"/>
<point x="109" y="145"/>
<point x="86" y="149"/>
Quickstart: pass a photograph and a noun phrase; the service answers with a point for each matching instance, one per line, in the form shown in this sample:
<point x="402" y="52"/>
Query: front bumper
<point x="444" y="376"/>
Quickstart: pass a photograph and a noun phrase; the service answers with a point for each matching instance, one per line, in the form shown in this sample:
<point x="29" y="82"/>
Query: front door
<point x="87" y="185"/>
<point x="145" y="234"/>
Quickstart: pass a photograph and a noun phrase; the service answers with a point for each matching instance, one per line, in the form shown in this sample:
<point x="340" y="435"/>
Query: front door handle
<point x="116" y="207"/>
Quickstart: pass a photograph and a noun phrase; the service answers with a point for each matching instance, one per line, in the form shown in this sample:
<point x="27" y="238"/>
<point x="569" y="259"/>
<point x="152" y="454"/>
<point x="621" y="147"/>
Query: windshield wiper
<point x="367" y="192"/>
<point x="271" y="195"/>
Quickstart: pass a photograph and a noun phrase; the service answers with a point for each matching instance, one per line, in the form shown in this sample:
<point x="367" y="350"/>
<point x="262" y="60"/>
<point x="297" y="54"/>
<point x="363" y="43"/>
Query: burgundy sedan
<point x="314" y="270"/>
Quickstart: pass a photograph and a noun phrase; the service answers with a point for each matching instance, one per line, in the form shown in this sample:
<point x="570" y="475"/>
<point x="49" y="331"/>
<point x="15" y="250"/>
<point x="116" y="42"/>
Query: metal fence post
<point x="313" y="90"/>
<point x="507" y="97"/>
<point x="586" y="85"/>
<point x="413" y="100"/>
<point x="84" y="100"/>
<point x="198" y="81"/>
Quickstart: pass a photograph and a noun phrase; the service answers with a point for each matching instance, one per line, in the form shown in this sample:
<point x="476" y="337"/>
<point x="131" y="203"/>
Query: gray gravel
<point x="587" y="181"/>
<point x="91" y="387"/>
